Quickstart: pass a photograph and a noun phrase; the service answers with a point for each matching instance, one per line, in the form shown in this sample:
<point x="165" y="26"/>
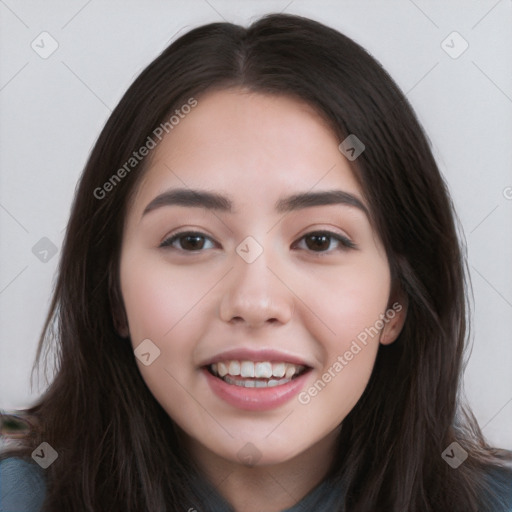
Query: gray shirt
<point x="22" y="489"/>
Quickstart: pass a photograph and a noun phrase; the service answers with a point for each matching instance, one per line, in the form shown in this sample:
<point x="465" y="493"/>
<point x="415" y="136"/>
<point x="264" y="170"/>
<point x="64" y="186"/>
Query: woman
<point x="261" y="297"/>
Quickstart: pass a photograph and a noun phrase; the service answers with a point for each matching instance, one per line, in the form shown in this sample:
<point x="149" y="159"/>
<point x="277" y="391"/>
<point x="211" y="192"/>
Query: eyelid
<point x="169" y="239"/>
<point x="344" y="240"/>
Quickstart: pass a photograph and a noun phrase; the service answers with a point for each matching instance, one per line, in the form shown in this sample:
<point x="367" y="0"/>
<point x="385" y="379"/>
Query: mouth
<point x="256" y="374"/>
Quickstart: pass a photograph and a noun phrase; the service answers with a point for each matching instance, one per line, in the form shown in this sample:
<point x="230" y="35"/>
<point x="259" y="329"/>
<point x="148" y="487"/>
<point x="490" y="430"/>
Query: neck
<point x="273" y="487"/>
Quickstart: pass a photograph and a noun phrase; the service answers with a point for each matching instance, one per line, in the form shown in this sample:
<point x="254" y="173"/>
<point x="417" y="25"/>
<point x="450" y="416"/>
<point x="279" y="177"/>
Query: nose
<point x="256" y="295"/>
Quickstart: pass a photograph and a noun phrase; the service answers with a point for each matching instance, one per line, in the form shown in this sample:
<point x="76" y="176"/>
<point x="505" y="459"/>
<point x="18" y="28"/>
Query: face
<point x="213" y="287"/>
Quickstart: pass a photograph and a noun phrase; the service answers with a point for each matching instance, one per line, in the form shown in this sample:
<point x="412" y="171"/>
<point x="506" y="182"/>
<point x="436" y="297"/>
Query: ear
<point x="394" y="319"/>
<point x="117" y="310"/>
<point x="120" y="322"/>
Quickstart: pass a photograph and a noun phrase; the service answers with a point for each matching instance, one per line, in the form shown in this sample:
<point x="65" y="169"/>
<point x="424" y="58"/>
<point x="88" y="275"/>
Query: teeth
<point x="247" y="369"/>
<point x="258" y="370"/>
<point x="263" y="370"/>
<point x="222" y="369"/>
<point x="290" y="372"/>
<point x="234" y="368"/>
<point x="255" y="383"/>
<point x="278" y="369"/>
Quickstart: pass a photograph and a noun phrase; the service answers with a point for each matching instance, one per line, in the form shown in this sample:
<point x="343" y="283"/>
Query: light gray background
<point x="53" y="109"/>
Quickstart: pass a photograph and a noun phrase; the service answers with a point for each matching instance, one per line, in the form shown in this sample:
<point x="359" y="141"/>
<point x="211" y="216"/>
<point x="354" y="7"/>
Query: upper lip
<point x="245" y="354"/>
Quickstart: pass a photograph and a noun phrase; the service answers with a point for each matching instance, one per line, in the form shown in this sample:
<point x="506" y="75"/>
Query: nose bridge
<point x="254" y="295"/>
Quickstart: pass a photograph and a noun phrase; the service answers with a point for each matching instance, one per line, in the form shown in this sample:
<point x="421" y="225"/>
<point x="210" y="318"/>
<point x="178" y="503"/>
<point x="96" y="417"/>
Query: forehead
<point x="249" y="145"/>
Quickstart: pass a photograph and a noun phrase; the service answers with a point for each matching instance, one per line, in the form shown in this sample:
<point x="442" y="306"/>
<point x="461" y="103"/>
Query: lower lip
<point x="255" y="399"/>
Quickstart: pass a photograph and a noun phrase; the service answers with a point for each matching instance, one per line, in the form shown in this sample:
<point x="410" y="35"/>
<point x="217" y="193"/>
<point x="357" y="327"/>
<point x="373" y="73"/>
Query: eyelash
<point x="344" y="241"/>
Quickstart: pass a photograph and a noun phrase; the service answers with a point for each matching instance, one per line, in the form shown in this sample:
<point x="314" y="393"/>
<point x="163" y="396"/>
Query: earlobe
<point x="121" y="325"/>
<point x="117" y="311"/>
<point x="119" y="317"/>
<point x="394" y="321"/>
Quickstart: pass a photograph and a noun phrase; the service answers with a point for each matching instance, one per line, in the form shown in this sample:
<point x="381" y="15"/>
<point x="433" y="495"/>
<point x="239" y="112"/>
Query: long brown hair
<point x="118" y="449"/>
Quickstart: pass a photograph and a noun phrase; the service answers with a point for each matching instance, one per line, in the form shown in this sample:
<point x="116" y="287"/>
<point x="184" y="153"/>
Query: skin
<point x="193" y="305"/>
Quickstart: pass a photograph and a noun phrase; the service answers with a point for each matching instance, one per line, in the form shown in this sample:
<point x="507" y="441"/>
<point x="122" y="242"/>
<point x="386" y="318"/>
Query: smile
<point x="256" y="374"/>
<point x="255" y="385"/>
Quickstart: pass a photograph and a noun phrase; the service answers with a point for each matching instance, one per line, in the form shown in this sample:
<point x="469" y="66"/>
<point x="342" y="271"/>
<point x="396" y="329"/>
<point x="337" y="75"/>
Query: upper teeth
<point x="263" y="370"/>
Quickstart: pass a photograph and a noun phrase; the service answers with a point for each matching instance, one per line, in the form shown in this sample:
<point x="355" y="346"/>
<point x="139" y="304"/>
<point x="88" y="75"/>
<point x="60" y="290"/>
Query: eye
<point x="190" y="241"/>
<point x="316" y="241"/>
<point x="321" y="241"/>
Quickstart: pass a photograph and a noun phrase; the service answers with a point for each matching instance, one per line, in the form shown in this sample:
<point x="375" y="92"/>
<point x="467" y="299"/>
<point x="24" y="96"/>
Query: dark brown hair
<point x="118" y="449"/>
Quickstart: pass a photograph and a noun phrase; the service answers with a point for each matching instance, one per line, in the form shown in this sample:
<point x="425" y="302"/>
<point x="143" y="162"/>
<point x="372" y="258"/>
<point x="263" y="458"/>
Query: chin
<point x="260" y="452"/>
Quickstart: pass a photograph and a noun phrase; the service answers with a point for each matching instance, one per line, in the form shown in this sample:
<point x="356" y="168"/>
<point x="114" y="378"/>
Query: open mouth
<point x="250" y="374"/>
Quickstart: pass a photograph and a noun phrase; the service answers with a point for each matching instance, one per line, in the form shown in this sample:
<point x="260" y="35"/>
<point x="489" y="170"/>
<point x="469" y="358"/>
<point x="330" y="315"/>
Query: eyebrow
<point x="214" y="201"/>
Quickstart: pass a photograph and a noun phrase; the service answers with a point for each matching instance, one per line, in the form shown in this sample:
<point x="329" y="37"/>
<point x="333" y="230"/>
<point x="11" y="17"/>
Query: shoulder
<point x="500" y="483"/>
<point x="22" y="485"/>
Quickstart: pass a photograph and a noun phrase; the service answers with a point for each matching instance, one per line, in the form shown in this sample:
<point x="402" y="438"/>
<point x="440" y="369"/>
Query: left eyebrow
<point x="309" y="199"/>
<point x="214" y="201"/>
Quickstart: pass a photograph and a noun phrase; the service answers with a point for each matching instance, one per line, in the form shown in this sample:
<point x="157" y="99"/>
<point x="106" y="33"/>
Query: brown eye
<point x="318" y="242"/>
<point x="187" y="241"/>
<point x="321" y="241"/>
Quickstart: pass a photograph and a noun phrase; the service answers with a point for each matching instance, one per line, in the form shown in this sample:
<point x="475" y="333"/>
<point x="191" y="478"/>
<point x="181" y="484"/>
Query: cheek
<point x="157" y="296"/>
<point x="350" y="305"/>
<point x="167" y="304"/>
<point x="162" y="304"/>
<point x="347" y="302"/>
<point x="157" y="301"/>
